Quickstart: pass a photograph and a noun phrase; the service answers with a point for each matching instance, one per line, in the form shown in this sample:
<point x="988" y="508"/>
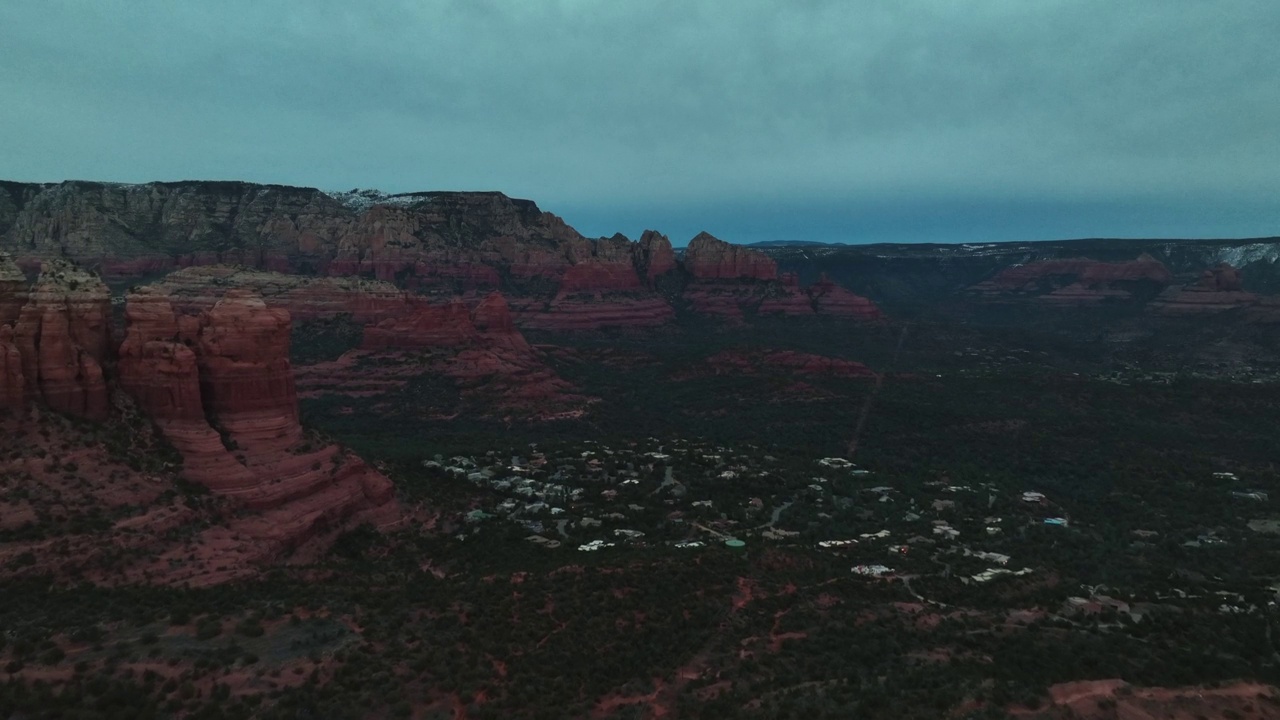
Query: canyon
<point x="254" y="431"/>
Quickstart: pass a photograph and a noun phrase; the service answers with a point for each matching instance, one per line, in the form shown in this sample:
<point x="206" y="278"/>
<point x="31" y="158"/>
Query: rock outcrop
<point x="734" y="301"/>
<point x="423" y="325"/>
<point x="1089" y="273"/>
<point x="62" y="336"/>
<point x="12" y="385"/>
<point x="593" y="311"/>
<point x="1075" y="281"/>
<point x="245" y="376"/>
<point x="231" y="364"/>
<point x="653" y="256"/>
<point x="709" y="258"/>
<point x="835" y="301"/>
<point x="128" y="231"/>
<point x="157" y="367"/>
<point x="463" y="236"/>
<point x="1219" y="289"/>
<point x="13" y="290"/>
<point x="784" y="361"/>
<point x="194" y="290"/>
<point x="433" y="243"/>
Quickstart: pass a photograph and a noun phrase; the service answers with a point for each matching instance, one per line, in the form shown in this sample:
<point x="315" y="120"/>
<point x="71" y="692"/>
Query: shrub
<point x="250" y="627"/>
<point x="208" y="628"/>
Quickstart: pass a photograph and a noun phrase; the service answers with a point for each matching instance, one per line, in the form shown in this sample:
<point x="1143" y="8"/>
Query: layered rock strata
<point x="1219" y="289"/>
<point x="429" y="243"/>
<point x="709" y="258"/>
<point x="231" y="364"/>
<point x="62" y="340"/>
<point x="1075" y="281"/>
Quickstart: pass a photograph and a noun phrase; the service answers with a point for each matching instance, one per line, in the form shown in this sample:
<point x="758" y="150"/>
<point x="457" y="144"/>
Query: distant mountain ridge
<point x="790" y="243"/>
<point x="452" y="242"/>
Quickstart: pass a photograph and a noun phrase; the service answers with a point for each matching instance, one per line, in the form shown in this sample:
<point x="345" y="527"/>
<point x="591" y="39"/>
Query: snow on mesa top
<point x="359" y="200"/>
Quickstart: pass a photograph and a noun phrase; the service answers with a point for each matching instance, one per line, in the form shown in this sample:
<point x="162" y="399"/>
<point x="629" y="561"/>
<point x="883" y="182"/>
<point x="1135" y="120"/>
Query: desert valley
<point x="276" y="452"/>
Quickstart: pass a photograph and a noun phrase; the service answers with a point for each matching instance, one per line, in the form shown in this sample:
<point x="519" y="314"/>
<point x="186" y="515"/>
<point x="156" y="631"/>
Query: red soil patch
<point x="1114" y="698"/>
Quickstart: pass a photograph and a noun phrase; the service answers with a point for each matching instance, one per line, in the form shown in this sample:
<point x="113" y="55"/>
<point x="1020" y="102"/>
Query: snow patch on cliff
<point x="1240" y="255"/>
<point x="358" y="200"/>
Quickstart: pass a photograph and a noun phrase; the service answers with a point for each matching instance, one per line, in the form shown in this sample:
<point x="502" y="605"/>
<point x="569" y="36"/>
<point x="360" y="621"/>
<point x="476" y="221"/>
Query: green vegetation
<point x="1157" y="579"/>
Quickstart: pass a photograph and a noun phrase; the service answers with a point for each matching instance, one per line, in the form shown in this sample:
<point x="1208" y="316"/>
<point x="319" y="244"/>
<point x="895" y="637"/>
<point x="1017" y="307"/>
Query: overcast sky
<point x="848" y="120"/>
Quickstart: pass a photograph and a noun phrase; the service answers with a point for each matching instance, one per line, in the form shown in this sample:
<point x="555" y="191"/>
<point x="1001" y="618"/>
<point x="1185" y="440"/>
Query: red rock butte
<point x="710" y="258"/>
<point x="231" y="364"/>
<point x="60" y="340"/>
<point x="219" y="386"/>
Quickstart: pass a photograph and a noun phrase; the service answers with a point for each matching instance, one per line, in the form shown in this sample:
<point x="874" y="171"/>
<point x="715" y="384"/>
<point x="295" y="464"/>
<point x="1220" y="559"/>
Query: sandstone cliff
<point x="471" y="338"/>
<point x="1218" y="289"/>
<point x="1075" y="281"/>
<point x="132" y="230"/>
<point x="445" y="243"/>
<point x="231" y="364"/>
<point x="12" y="384"/>
<point x="653" y="256"/>
<point x="62" y="339"/>
<point x="709" y="258"/>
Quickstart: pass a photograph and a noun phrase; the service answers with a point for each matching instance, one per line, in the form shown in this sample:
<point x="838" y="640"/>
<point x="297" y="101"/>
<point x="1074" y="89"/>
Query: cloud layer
<point x="805" y="119"/>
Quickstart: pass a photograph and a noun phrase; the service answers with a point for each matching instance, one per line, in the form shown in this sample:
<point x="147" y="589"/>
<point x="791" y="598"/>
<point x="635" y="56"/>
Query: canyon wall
<point x="59" y="340"/>
<point x="219" y="386"/>
<point x="435" y="243"/>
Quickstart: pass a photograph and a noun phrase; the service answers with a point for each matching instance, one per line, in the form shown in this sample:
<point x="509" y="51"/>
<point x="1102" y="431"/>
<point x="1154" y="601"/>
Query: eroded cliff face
<point x="1076" y="281"/>
<point x="231" y="364"/>
<point x="61" y="339"/>
<point x="132" y="230"/>
<point x="429" y="243"/>
<point x="219" y="386"/>
<point x="653" y="256"/>
<point x="473" y="339"/>
<point x="12" y="384"/>
<point x="710" y="258"/>
<point x="1219" y="289"/>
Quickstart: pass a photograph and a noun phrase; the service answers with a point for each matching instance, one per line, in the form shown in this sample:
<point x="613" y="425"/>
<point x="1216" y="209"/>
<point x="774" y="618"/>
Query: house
<point x="993" y="573"/>
<point x="946" y="531"/>
<point x="1061" y="522"/>
<point x="543" y="542"/>
<point x="872" y="570"/>
<point x="989" y="556"/>
<point x="1033" y="497"/>
<point x="1250" y="495"/>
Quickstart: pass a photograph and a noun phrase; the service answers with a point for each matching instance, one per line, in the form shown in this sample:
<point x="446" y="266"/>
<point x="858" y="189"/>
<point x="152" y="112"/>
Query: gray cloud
<point x="838" y="119"/>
